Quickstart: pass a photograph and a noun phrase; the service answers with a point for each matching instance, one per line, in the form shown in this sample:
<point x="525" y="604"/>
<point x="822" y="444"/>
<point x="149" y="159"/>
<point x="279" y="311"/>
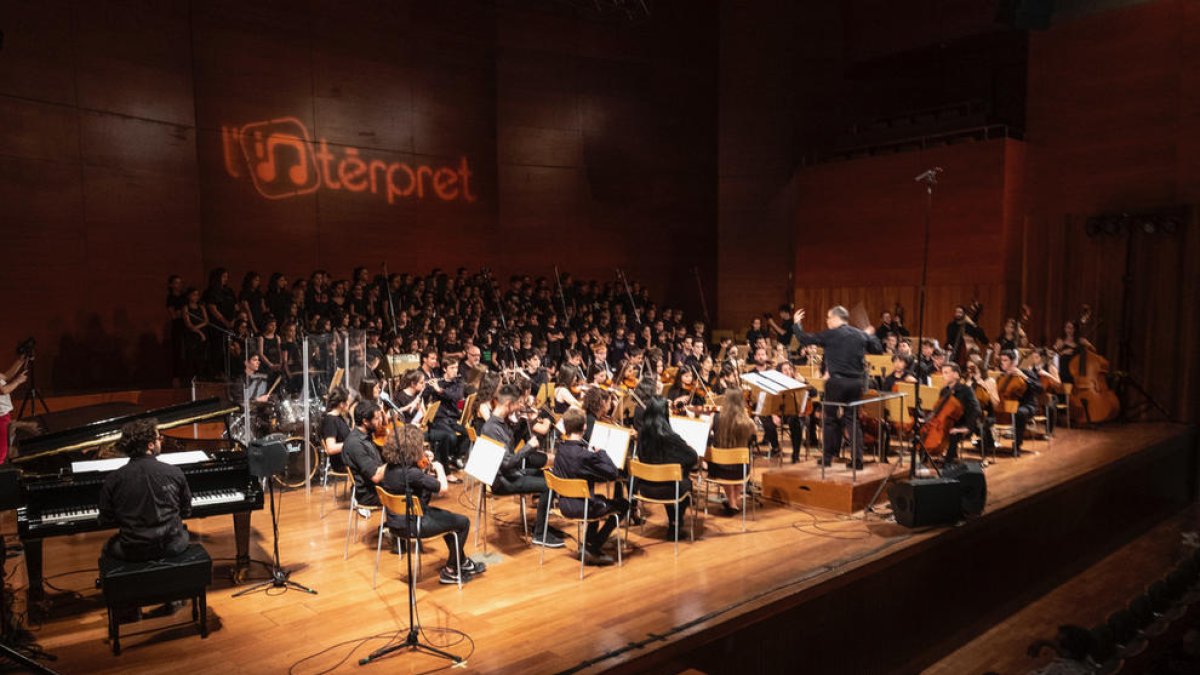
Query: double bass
<point x="1091" y="401"/>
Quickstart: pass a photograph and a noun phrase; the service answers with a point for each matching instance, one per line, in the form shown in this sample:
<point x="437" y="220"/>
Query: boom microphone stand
<point x="412" y="641"/>
<point x="929" y="178"/>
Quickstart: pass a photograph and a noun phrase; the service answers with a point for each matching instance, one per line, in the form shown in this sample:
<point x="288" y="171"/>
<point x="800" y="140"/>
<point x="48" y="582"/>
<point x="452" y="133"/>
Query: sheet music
<point x="762" y="401"/>
<point x="787" y="383"/>
<point x="693" y="431"/>
<point x="766" y="384"/>
<point x="114" y="463"/>
<point x="484" y="461"/>
<point x="613" y="440"/>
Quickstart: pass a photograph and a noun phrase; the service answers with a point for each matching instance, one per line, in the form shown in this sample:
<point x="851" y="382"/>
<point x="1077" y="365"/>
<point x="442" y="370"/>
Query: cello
<point x="945" y="415"/>
<point x="1092" y="401"/>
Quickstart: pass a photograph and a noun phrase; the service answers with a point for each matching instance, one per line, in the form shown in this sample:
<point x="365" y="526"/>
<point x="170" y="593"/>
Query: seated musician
<point x="408" y="400"/>
<point x="146" y="499"/>
<point x="659" y="444"/>
<point x="1028" y="401"/>
<point x="574" y="459"/>
<point x="334" y="429"/>
<point x="447" y="437"/>
<point x="567" y="389"/>
<point x="362" y="455"/>
<point x="901" y="372"/>
<point x="1047" y="373"/>
<point x="792" y="418"/>
<point x="685" y="391"/>
<point x="987" y="403"/>
<point x="520" y="472"/>
<point x="732" y="428"/>
<point x="965" y="425"/>
<point x="405" y="453"/>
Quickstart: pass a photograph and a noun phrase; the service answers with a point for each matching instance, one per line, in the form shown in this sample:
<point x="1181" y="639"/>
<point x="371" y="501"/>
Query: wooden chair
<point x="1007" y="406"/>
<point x="659" y="473"/>
<point x="575" y="488"/>
<point x="352" y="524"/>
<point x="733" y="457"/>
<point x="1063" y="408"/>
<point x="396" y="504"/>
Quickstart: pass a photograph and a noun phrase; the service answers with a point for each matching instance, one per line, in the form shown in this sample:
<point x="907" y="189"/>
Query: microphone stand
<point x="929" y="178"/>
<point x="412" y="640"/>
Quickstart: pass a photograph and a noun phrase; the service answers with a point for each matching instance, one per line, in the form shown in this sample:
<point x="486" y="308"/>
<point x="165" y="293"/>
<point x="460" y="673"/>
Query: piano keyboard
<point x="200" y="499"/>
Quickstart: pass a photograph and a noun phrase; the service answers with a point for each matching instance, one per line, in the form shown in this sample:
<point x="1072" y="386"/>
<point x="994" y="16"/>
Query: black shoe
<point x="551" y="540"/>
<point x="824" y="462"/>
<point x="473" y="567"/>
<point x="729" y="511"/>
<point x="449" y="575"/>
<point x="557" y="532"/>
<point x="858" y="465"/>
<point x="598" y="558"/>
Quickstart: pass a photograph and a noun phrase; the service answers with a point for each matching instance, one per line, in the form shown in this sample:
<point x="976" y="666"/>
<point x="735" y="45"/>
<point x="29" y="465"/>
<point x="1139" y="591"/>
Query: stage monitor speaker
<point x="1025" y="14"/>
<point x="267" y="456"/>
<point x="926" y="501"/>
<point x="974" y="486"/>
<point x="10" y="489"/>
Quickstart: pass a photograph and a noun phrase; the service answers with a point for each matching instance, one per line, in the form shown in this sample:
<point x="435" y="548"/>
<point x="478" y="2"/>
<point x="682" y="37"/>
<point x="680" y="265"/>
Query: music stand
<point x="267" y="457"/>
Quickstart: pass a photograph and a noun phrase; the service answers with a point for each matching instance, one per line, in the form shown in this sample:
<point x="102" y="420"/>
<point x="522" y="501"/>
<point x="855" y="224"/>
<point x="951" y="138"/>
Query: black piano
<point x="61" y="478"/>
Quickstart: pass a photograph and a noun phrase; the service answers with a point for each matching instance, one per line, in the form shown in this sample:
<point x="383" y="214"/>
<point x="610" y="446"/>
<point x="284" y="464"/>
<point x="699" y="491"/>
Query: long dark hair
<point x="656" y="429"/>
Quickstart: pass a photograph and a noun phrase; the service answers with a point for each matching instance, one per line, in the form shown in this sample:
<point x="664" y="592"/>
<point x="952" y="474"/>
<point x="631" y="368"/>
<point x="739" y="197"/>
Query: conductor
<point x="845" y="350"/>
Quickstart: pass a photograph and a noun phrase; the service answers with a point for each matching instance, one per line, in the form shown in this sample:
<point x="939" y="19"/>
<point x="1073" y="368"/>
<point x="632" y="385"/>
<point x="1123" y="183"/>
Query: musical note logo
<point x="280" y="156"/>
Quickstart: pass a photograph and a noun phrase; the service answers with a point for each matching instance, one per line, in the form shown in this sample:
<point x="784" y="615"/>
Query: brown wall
<point x="119" y="161"/>
<point x="1114" y="125"/>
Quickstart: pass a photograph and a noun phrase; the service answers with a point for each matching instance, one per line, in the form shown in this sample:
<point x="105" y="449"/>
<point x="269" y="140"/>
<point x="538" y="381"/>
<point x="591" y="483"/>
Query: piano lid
<point x="107" y="431"/>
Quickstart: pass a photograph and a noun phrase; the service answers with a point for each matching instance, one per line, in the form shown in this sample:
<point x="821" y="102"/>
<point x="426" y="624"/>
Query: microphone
<point x="929" y="176"/>
<point x="383" y="396"/>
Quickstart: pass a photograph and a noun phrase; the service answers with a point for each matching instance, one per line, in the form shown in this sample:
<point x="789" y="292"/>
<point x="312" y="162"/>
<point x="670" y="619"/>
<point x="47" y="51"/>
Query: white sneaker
<point x="364" y="512"/>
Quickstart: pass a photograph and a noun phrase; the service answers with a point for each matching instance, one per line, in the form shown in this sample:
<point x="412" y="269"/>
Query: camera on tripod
<point x="27" y="347"/>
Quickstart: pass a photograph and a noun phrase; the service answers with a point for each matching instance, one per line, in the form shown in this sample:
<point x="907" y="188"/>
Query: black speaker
<point x="267" y="456"/>
<point x="974" y="486"/>
<point x="926" y="501"/>
<point x="1025" y="14"/>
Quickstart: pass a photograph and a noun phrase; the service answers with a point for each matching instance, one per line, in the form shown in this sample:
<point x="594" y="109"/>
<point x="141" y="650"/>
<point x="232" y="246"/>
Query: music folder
<point x="484" y="461"/>
<point x="611" y="439"/>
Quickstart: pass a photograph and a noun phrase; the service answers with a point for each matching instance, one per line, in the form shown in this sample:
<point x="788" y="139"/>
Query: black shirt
<point x="573" y="459"/>
<point x="970" y="404"/>
<point x="423" y="487"/>
<point x="361" y="455"/>
<point x="845" y="348"/>
<point x="148" y="500"/>
<point x="333" y="426"/>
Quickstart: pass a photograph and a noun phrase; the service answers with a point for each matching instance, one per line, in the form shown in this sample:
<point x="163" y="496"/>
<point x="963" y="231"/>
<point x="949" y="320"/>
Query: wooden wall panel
<point x="115" y="118"/>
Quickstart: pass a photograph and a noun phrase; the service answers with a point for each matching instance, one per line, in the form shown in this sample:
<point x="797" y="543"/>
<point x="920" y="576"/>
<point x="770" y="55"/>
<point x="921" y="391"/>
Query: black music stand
<point x="267" y="457"/>
<point x="412" y="641"/>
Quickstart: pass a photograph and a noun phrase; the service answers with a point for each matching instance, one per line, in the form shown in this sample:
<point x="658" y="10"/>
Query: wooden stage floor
<point x="520" y="617"/>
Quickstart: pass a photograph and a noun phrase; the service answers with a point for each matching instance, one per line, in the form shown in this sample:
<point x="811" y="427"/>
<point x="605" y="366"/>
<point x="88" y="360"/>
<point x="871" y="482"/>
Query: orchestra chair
<point x="327" y="473"/>
<point x="659" y="473"/>
<point x="1008" y="406"/>
<point x="352" y="524"/>
<point x="1063" y="407"/>
<point x="575" y="488"/>
<point x="397" y="505"/>
<point x="730" y="456"/>
<point x="130" y="585"/>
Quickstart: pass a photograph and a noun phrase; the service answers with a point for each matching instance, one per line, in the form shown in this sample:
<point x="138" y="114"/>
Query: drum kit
<point x="286" y="416"/>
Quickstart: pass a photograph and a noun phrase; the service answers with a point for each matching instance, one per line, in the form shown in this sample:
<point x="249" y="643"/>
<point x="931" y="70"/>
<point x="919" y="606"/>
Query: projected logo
<point x="282" y="161"/>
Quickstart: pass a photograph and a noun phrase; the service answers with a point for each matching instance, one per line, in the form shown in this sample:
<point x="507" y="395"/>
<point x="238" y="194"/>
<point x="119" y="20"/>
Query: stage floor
<point x="520" y="617"/>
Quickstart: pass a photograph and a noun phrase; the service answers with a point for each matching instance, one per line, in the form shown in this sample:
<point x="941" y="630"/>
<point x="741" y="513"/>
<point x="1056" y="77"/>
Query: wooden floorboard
<point x="520" y="617"/>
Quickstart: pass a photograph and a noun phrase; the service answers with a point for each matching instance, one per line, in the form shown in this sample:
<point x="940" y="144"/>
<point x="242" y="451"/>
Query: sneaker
<point x="597" y="558"/>
<point x="551" y="540"/>
<point x="449" y="575"/>
<point x="364" y="512"/>
<point x="557" y="532"/>
<point x="473" y="567"/>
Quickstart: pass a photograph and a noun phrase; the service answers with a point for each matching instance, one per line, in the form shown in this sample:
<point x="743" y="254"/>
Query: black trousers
<point x="158" y="550"/>
<point x="795" y="426"/>
<point x="439" y="521"/>
<point x="1020" y="421"/>
<point x="667" y="491"/>
<point x="525" y="484"/>
<point x="837" y="420"/>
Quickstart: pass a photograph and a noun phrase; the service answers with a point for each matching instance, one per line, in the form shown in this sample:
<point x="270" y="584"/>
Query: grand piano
<point x="61" y="475"/>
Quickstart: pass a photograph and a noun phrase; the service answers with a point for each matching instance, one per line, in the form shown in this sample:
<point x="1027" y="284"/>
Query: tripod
<point x="32" y="396"/>
<point x="412" y="641"/>
<point x="279" y="576"/>
<point x="14" y="639"/>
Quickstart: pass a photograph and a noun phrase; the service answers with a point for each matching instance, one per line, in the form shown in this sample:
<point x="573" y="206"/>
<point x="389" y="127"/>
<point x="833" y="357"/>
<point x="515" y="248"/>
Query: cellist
<point x="1051" y="384"/>
<point x="951" y="376"/>
<point x="1010" y="388"/>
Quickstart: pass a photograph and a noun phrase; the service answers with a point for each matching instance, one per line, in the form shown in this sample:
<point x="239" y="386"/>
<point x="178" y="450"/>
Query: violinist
<point x="686" y="391"/>
<point x="405" y="455"/>
<point x="732" y="428"/>
<point x="951" y="376"/>
<point x="629" y="377"/>
<point x="727" y="379"/>
<point x="597" y="406"/>
<point x="704" y="372"/>
<point x="599" y="376"/>
<point x="567" y="389"/>
<point x="521" y="472"/>
<point x="1010" y="387"/>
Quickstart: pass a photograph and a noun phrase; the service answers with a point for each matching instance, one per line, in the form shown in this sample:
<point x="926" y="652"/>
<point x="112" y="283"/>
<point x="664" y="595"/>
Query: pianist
<point x="146" y="499"/>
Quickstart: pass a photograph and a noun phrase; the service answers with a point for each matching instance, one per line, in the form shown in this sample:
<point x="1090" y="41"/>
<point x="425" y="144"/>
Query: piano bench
<point x="130" y="585"/>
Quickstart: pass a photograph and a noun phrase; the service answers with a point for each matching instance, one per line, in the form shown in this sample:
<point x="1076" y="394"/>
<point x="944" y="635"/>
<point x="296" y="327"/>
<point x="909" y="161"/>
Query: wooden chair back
<point x="655" y="473"/>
